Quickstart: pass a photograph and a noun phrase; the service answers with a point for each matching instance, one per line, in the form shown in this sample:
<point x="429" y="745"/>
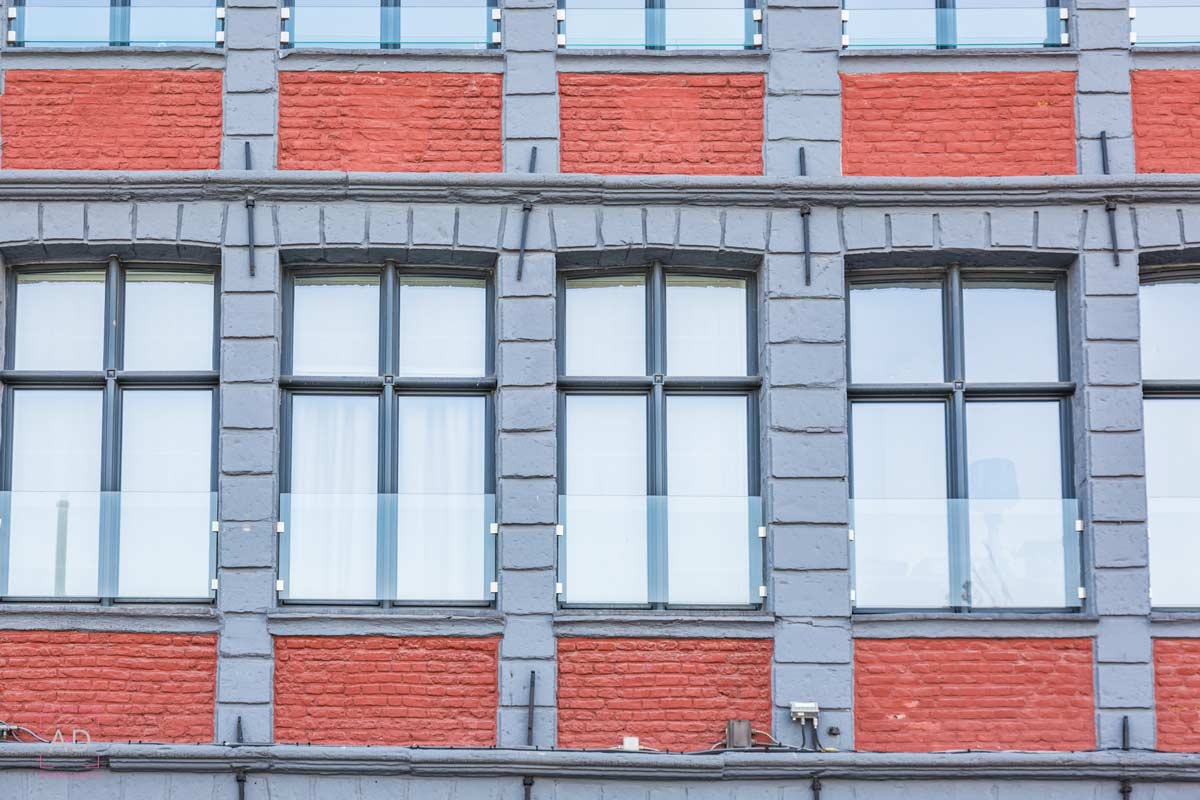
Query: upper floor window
<point x="660" y="24"/>
<point x="658" y="455"/>
<point x="387" y="465"/>
<point x="92" y="23"/>
<point x="391" y="24"/>
<point x="1164" y="22"/>
<point x="960" y="443"/>
<point x="947" y="24"/>
<point x="108" y="456"/>
<point x="1171" y="382"/>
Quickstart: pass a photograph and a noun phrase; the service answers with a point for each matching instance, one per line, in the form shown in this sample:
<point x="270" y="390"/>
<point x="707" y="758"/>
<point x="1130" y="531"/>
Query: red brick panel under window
<point x="154" y="687"/>
<point x="1177" y="694"/>
<point x="1166" y="120"/>
<point x="923" y="695"/>
<point x="961" y="123"/>
<point x="386" y="690"/>
<point x="661" y="124"/>
<point x="390" y="121"/>
<point x="673" y="694"/>
<point x="129" y="119"/>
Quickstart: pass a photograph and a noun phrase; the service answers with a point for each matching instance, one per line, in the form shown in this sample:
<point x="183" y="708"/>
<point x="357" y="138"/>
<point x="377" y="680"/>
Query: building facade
<point x="388" y="421"/>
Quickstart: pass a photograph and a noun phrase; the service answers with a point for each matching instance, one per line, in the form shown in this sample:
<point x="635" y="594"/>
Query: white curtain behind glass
<point x="166" y="480"/>
<point x="334" y="495"/>
<point x="442" y="327"/>
<point x="441" y="508"/>
<point x="706" y="326"/>
<point x="1173" y="494"/>
<point x="335" y="328"/>
<point x="606" y="326"/>
<point x="708" y="513"/>
<point x="55" y="518"/>
<point x="60" y="322"/>
<point x="168" y="321"/>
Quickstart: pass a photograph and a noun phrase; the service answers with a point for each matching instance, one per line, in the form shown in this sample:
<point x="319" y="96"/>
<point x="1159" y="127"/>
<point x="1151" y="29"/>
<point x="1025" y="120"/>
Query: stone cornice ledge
<point x="493" y="188"/>
<point x="467" y="762"/>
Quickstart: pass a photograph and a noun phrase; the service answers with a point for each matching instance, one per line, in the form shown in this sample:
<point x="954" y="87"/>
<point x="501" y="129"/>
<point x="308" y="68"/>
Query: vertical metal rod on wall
<point x="525" y="210"/>
<point x="1104" y="151"/>
<point x="1110" y="208"/>
<point x="529" y="720"/>
<point x="250" y="212"/>
<point x="804" y="212"/>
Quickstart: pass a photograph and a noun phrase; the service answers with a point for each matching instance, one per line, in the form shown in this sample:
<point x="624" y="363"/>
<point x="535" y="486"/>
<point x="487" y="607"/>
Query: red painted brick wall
<point x="155" y="687"/>
<point x="1166" y="120"/>
<point x="960" y="123"/>
<point x="674" y="694"/>
<point x="111" y="119"/>
<point x="923" y="695"/>
<point x="661" y="124"/>
<point x="386" y="690"/>
<point x="1177" y="694"/>
<point x="390" y="121"/>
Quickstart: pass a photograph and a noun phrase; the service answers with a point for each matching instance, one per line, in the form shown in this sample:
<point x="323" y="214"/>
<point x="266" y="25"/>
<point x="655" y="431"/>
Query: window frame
<point x="113" y="380"/>
<point x="656" y="387"/>
<point x="955" y="393"/>
<point x="387" y="387"/>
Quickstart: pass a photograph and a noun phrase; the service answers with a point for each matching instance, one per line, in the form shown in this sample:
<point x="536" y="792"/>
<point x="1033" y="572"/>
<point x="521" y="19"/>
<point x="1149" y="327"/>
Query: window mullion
<point x="119" y="23"/>
<point x="109" y="538"/>
<point x="960" y="555"/>
<point x="386" y="544"/>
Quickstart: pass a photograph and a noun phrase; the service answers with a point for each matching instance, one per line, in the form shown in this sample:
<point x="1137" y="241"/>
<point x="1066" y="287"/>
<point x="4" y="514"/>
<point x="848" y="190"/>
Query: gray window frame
<point x="656" y="386"/>
<point x="955" y="393"/>
<point x="113" y="380"/>
<point x="387" y="386"/>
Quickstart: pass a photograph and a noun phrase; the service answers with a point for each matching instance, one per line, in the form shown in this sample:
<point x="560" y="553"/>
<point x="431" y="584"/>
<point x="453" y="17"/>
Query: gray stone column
<point x="1101" y="31"/>
<point x="804" y="104"/>
<point x="530" y="85"/>
<point x="249" y="447"/>
<point x="251" y="84"/>
<point x="1110" y="475"/>
<point x="805" y="463"/>
<point x="526" y="467"/>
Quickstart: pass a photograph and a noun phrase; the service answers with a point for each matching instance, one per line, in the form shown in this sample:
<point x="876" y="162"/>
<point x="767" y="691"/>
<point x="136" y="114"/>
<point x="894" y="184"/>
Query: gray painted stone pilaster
<point x="1111" y="479"/>
<point x="803" y="103"/>
<point x="251" y="85"/>
<point x="804" y="462"/>
<point x="530" y="85"/>
<point x="249" y="447"/>
<point x="526" y="467"/>
<point x="1101" y="30"/>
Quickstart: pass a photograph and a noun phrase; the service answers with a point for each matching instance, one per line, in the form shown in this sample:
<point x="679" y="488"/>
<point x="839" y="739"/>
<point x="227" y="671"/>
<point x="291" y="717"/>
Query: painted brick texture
<point x="924" y="695"/>
<point x="1166" y="120"/>
<point x="153" y="687"/>
<point x="674" y="694"/>
<point x="958" y="124"/>
<point x="1177" y="694"/>
<point x="386" y="690"/>
<point x="111" y="119"/>
<point x="390" y="121"/>
<point x="661" y="124"/>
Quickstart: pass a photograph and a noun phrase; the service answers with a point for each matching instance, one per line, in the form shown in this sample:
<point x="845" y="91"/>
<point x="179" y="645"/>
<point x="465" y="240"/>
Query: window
<point x="387" y="473"/>
<point x="658" y="455"/>
<point x="946" y="24"/>
<point x="660" y="24"/>
<point x="89" y="23"/>
<point x="1164" y="22"/>
<point x="109" y="440"/>
<point x="1171" y="382"/>
<point x="392" y="24"/>
<point x="961" y="474"/>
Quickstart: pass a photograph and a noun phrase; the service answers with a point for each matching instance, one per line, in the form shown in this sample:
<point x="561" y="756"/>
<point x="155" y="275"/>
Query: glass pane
<point x="707" y="511"/>
<point x="896" y="334"/>
<point x="891" y="23"/>
<point x="606" y="326"/>
<point x="901" y="522"/>
<point x="349" y="23"/>
<point x="60" y="321"/>
<point x="335" y="326"/>
<point x="443" y="327"/>
<point x="430" y="23"/>
<point x="334" y="476"/>
<point x="606" y="23"/>
<point x="705" y="23"/>
<point x="1170" y="331"/>
<point x="172" y="22"/>
<point x="63" y="23"/>
<point x="442" y="503"/>
<point x="605" y="520"/>
<point x="1017" y="531"/>
<point x="168" y="321"/>
<point x="1173" y="489"/>
<point x="1166" y="22"/>
<point x="1006" y="23"/>
<point x="706" y="325"/>
<point x="54" y="523"/>
<point x="971" y="23"/>
<point x="1011" y="332"/>
<point x="166" y="484"/>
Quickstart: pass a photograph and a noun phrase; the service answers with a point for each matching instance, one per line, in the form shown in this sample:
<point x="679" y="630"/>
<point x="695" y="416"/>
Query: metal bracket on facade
<point x="216" y="527"/>
<point x="1110" y="208"/>
<point x="850" y="534"/>
<point x="1082" y="593"/>
<point x="558" y="588"/>
<point x="213" y="584"/>
<point x="279" y="527"/>
<point x="558" y="530"/>
<point x="494" y="528"/>
<point x="250" y="212"/>
<point x="762" y="591"/>
<point x="805" y="211"/>
<point x="852" y="596"/>
<point x="762" y="532"/>
<point x="279" y="585"/>
<point x="1104" y="151"/>
<point x="494" y="587"/>
<point x="1079" y="526"/>
<point x="526" y="209"/>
